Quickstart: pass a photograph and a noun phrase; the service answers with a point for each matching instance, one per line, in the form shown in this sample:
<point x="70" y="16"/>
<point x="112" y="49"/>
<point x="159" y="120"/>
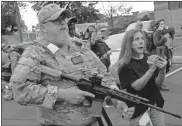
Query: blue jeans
<point x="156" y="117"/>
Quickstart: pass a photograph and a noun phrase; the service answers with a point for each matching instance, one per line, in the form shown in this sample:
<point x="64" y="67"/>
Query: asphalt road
<point x="16" y="115"/>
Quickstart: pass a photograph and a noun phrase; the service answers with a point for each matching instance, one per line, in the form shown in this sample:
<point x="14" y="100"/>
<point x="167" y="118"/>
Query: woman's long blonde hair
<point x="126" y="51"/>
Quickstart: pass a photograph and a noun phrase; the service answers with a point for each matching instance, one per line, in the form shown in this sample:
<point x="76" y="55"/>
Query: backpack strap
<point x="153" y="45"/>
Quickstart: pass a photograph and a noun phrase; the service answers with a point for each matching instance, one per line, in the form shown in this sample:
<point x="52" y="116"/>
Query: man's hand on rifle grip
<point x="73" y="95"/>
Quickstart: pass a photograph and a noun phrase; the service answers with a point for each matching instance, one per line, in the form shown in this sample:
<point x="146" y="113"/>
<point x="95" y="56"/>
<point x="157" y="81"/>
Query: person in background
<point x="86" y="35"/>
<point x="75" y="38"/>
<point x="71" y="27"/>
<point x="139" y="25"/>
<point x="167" y="30"/>
<point x="140" y="76"/>
<point x="160" y="40"/>
<point x="82" y="35"/>
<point x="104" y="32"/>
<point x="158" y="37"/>
<point x="101" y="49"/>
<point x="89" y="31"/>
<point x="91" y="28"/>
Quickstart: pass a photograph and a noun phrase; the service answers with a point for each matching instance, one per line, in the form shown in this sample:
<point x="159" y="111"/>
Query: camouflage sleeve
<point x="26" y="80"/>
<point x="14" y="57"/>
<point x="107" y="80"/>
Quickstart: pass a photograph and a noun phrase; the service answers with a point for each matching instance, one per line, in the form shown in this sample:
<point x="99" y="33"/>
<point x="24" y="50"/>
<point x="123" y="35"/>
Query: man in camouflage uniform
<point x="58" y="102"/>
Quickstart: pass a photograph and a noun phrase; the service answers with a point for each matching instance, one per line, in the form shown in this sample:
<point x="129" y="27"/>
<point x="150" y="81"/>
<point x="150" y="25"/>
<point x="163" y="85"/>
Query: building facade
<point x="171" y="12"/>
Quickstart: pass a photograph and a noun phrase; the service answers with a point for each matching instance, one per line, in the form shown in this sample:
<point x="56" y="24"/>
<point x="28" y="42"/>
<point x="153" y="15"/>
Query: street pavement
<point x="15" y="115"/>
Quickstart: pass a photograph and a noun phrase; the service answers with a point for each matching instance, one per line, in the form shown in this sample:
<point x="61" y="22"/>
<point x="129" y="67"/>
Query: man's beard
<point x="63" y="37"/>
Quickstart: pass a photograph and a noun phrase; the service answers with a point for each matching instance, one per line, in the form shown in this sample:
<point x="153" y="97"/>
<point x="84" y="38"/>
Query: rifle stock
<point x="93" y="85"/>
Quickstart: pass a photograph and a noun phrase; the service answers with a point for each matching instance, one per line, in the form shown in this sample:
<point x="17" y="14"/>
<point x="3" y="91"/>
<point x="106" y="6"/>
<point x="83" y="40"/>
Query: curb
<point x="178" y="37"/>
<point x="177" y="60"/>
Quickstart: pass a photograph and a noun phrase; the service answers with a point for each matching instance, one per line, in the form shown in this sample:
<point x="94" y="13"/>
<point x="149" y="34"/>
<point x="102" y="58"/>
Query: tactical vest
<point x="91" y="64"/>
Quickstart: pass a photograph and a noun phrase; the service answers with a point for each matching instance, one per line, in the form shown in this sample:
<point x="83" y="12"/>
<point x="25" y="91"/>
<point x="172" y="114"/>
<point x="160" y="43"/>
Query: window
<point x="173" y="5"/>
<point x="180" y="4"/>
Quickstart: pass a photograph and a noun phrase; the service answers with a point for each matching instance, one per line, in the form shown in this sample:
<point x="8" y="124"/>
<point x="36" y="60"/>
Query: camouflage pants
<point x="94" y="124"/>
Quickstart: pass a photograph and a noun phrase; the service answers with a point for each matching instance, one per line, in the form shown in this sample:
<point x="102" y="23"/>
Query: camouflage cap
<point x="51" y="12"/>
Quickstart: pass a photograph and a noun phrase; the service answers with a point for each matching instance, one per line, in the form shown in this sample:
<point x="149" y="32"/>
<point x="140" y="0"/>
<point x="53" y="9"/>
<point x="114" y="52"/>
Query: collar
<point x="54" y="48"/>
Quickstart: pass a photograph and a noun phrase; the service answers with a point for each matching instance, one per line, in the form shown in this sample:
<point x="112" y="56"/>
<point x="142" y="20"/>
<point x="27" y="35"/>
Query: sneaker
<point x="164" y="88"/>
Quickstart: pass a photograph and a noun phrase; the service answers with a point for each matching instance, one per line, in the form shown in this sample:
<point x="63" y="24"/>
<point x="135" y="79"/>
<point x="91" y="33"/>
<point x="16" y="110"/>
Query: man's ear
<point x="43" y="28"/>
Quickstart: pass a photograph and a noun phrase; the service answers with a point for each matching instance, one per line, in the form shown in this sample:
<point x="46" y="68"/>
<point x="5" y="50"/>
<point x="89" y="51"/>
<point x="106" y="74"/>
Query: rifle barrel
<point x="105" y="90"/>
<point x="162" y="110"/>
<point x="138" y="100"/>
<point x="131" y="95"/>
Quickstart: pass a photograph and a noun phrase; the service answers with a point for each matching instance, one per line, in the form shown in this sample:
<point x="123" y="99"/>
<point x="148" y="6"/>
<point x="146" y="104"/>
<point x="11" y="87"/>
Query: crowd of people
<point x="61" y="48"/>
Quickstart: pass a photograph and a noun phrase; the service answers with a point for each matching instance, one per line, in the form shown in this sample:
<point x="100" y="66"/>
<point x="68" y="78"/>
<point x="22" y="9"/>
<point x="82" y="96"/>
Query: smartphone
<point x="160" y="51"/>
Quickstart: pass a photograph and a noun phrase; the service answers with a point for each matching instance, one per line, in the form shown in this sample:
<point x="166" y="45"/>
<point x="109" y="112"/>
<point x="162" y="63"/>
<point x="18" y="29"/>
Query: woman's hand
<point x="126" y="112"/>
<point x="151" y="62"/>
<point x="155" y="61"/>
<point x="73" y="95"/>
<point x="161" y="63"/>
<point x="114" y="87"/>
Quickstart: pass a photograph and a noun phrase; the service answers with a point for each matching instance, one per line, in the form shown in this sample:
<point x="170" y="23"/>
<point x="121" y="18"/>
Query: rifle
<point x="93" y="85"/>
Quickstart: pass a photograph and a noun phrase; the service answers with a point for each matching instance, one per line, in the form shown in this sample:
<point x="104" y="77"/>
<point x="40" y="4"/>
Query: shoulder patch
<point x="53" y="48"/>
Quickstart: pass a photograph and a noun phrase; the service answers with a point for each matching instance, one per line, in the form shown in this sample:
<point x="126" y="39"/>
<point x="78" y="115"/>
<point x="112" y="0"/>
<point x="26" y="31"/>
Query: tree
<point x="84" y="13"/>
<point x="115" y="10"/>
<point x="8" y="15"/>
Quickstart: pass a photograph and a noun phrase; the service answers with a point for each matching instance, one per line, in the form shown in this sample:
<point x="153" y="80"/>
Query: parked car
<point x="115" y="41"/>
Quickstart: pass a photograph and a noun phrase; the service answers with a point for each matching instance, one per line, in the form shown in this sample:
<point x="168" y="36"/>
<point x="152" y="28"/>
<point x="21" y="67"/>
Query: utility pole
<point x="18" y="21"/>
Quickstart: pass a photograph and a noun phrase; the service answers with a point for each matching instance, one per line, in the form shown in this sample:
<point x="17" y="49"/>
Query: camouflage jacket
<point x="11" y="58"/>
<point x="31" y="87"/>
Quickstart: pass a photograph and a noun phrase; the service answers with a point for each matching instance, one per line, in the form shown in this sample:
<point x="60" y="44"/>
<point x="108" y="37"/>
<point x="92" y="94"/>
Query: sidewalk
<point x="16" y="115"/>
<point x="179" y="37"/>
<point x="177" y="60"/>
